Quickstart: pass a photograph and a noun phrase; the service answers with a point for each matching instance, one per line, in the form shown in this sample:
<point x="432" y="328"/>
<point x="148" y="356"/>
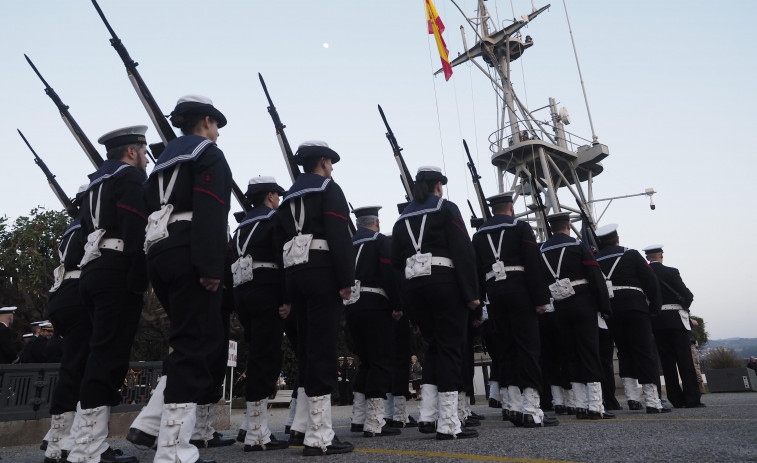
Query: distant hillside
<point x="743" y="347"/>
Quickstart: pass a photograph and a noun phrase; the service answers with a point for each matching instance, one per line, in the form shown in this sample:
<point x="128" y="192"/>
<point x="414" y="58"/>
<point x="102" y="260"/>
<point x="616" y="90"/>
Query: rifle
<point x="542" y="208"/>
<point x="475" y="222"/>
<point x="76" y="131"/>
<point x="72" y="210"/>
<point x="588" y="225"/>
<point x="286" y="150"/>
<point x="477" y="187"/>
<point x="405" y="176"/>
<point x="153" y="110"/>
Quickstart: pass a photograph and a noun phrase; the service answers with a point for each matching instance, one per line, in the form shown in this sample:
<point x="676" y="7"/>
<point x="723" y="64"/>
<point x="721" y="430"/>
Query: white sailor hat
<point x="132" y="135"/>
<point x="47" y="326"/>
<point x="430" y="174"/>
<point x="653" y="249"/>
<point x="263" y="183"/>
<point x="558" y="217"/>
<point x="5" y="310"/>
<point x="607" y="232"/>
<point x="506" y="197"/>
<point x="366" y="210"/>
<point x="197" y="105"/>
<point x="28" y="335"/>
<point x="315" y="148"/>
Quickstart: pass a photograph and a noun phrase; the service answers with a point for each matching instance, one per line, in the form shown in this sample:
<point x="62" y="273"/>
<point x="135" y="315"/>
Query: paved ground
<point x="725" y="431"/>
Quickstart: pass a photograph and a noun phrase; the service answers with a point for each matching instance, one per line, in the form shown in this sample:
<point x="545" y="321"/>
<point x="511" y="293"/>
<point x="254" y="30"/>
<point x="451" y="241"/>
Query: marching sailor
<point x="431" y="246"/>
<point x="635" y="297"/>
<point x="112" y="285"/>
<point x="369" y="318"/>
<point x="579" y="292"/>
<point x="671" y="333"/>
<point x="509" y="268"/>
<point x="188" y="196"/>
<point x="319" y="263"/>
<point x="258" y="298"/>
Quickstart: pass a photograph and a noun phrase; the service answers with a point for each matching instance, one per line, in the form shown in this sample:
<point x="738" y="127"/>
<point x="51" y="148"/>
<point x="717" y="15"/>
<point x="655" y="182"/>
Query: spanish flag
<point x="436" y="27"/>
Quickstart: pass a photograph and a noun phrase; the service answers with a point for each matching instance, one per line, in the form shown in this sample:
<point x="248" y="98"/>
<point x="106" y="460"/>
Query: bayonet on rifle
<point x="72" y="210"/>
<point x="485" y="212"/>
<point x="405" y="176"/>
<point x="153" y="110"/>
<point x="89" y="149"/>
<point x="286" y="150"/>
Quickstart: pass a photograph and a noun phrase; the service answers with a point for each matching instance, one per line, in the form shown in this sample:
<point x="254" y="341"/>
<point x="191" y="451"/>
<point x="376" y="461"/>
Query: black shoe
<point x="471" y="422"/>
<point x="275" y="444"/>
<point x="296" y="437"/>
<point x="111" y="456"/>
<point x="218" y="440"/>
<point x="546" y="421"/>
<point x="547" y="407"/>
<point x="286" y="429"/>
<point x="582" y="414"/>
<point x="354" y="428"/>
<point x="516" y="418"/>
<point x="561" y="410"/>
<point x="142" y="439"/>
<point x="570" y="410"/>
<point x="43" y="445"/>
<point x="427" y="427"/>
<point x="635" y="405"/>
<point x="411" y="423"/>
<point x="336" y="447"/>
<point x="494" y="403"/>
<point x="241" y="435"/>
<point x="386" y="431"/>
<point x="613" y="406"/>
<point x="652" y="410"/>
<point x="477" y="416"/>
<point x="505" y="415"/>
<point x="600" y="416"/>
<point x="463" y="434"/>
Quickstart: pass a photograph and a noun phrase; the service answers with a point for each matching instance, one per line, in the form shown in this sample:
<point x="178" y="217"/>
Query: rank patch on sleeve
<point x="208" y="177"/>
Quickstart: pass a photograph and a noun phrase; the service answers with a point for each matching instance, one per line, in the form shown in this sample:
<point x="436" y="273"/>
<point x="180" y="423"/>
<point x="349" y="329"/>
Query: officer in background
<point x="671" y="333"/>
<point x="579" y="292"/>
<point x="374" y="297"/>
<point x="635" y="298"/>
<point x="188" y="195"/>
<point x="112" y="284"/>
<point x="431" y="246"/>
<point x="509" y="269"/>
<point x="319" y="263"/>
<point x="35" y="351"/>
<point x="258" y="298"/>
<point x="8" y="350"/>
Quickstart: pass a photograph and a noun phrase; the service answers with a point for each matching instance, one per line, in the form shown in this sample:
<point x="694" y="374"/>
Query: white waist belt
<point x="580" y="282"/>
<point x="264" y="265"/>
<point x="112" y="243"/>
<point x="442" y="262"/>
<point x="180" y="216"/>
<point x="366" y="289"/>
<point x="319" y="245"/>
<point x="672" y="307"/>
<point x="513" y="268"/>
<point x="71" y="274"/>
<point x="615" y="288"/>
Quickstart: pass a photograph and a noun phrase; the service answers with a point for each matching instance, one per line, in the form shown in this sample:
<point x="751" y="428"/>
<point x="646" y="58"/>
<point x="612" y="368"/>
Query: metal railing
<point x="27" y="389"/>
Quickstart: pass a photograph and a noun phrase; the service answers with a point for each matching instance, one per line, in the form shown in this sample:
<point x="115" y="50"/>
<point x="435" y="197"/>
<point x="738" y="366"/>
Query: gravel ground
<point x="724" y="431"/>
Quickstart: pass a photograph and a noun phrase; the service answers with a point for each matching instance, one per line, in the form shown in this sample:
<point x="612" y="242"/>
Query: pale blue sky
<point x="670" y="85"/>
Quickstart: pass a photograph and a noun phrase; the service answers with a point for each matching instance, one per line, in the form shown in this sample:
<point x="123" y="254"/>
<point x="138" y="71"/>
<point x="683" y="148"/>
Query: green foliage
<point x="699" y="332"/>
<point x="721" y="357"/>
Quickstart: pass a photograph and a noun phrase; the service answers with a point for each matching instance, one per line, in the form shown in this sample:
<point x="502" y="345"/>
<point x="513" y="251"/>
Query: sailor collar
<point x="108" y="169"/>
<point x="305" y="184"/>
<point x="432" y="204"/>
<point x="183" y="149"/>
<point x="363" y="235"/>
<point x="497" y="222"/>
<point x="572" y="242"/>
<point x="73" y="226"/>
<point x="257" y="214"/>
<point x="608" y="256"/>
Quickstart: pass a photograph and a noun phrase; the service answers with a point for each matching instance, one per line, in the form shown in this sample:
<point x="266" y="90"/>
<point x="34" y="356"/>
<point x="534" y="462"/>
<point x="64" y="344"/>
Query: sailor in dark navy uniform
<point x="431" y="246"/>
<point x="579" y="292"/>
<point x="369" y="318"/>
<point x="671" y="332"/>
<point x="319" y="263"/>
<point x="188" y="194"/>
<point x="635" y="297"/>
<point x="112" y="284"/>
<point x="8" y="349"/>
<point x="510" y="271"/>
<point x="258" y="298"/>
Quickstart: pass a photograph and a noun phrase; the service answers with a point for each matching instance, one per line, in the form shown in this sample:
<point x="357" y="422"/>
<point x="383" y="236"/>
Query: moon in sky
<point x="325" y="44"/>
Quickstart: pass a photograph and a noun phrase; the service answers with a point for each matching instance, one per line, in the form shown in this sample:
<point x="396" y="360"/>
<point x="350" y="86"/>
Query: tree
<point x="699" y="332"/>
